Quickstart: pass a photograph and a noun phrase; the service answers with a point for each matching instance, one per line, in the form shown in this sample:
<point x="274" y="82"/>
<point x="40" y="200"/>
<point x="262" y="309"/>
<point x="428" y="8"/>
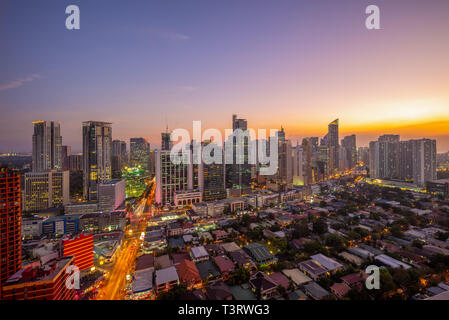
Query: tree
<point x="301" y="230"/>
<point x="320" y="226"/>
<point x="312" y="247"/>
<point x="173" y="294"/>
<point x="241" y="275"/>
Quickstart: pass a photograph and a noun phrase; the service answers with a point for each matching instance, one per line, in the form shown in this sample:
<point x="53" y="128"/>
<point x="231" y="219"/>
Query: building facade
<point x="10" y="224"/>
<point x="43" y="190"/>
<point x="47" y="146"/>
<point x="97" y="160"/>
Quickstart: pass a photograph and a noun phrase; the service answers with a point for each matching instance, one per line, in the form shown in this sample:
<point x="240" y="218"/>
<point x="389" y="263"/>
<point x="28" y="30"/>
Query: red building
<point x="82" y="247"/>
<point x="10" y="229"/>
<point x="36" y="282"/>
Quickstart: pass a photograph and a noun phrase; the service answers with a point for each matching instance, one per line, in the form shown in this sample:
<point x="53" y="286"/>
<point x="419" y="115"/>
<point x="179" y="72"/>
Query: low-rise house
<point x="435" y="250"/>
<point x="176" y="243"/>
<point x="162" y="262"/>
<point x="142" y="286"/>
<point x="155" y="239"/>
<point x="259" y="253"/>
<point x="144" y="262"/>
<point x="214" y="249"/>
<point x="230" y="247"/>
<point x="330" y="264"/>
<point x="353" y="280"/>
<point x="298" y="277"/>
<point x="340" y="290"/>
<point x="313" y="269"/>
<point x="315" y="291"/>
<point x="199" y="254"/>
<point x="188" y="274"/>
<point x="218" y="291"/>
<point x="297" y="295"/>
<point x="194" y="295"/>
<point x="262" y="283"/>
<point x="179" y="256"/>
<point x="208" y="271"/>
<point x="298" y="244"/>
<point x="225" y="265"/>
<point x="351" y="258"/>
<point x="220" y="234"/>
<point x="174" y="229"/>
<point x="206" y="236"/>
<point x="390" y="262"/>
<point x="280" y="279"/>
<point x="241" y="259"/>
<point x="270" y="234"/>
<point x="242" y="292"/>
<point x="165" y="279"/>
<point x="187" y="238"/>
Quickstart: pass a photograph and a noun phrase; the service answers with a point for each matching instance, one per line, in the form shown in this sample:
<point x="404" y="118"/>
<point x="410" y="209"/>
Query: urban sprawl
<point x="138" y="226"/>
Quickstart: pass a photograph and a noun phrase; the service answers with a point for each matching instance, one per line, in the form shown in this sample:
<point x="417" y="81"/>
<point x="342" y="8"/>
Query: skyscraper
<point x="118" y="157"/>
<point x="284" y="174"/>
<point x="307" y="161"/>
<point x="97" y="160"/>
<point x="10" y="224"/>
<point x="332" y="143"/>
<point x="171" y="178"/>
<point x="47" y="143"/>
<point x="349" y="149"/>
<point x="139" y="153"/>
<point x="166" y="144"/>
<point x="238" y="173"/>
<point x="66" y="151"/>
<point x="411" y="161"/>
<point x="298" y="175"/>
<point x="211" y="178"/>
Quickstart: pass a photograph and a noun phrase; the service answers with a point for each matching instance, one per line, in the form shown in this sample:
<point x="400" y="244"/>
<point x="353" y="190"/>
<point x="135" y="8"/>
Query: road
<point x="115" y="283"/>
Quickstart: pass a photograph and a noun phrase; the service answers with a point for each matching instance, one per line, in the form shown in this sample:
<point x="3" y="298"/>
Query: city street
<point x="115" y="284"/>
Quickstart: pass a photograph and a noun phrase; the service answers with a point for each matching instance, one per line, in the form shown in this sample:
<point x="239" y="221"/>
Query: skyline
<point x="145" y="65"/>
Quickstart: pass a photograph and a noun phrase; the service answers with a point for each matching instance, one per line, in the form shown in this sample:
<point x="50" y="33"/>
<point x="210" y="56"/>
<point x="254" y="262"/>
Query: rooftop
<point x="166" y="275"/>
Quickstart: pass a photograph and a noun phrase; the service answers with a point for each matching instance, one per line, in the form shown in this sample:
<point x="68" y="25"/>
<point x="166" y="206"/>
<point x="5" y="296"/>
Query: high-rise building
<point x="45" y="190"/>
<point x="47" y="145"/>
<point x="424" y="153"/>
<point x="66" y="151"/>
<point x="136" y="181"/>
<point x="284" y="174"/>
<point x="111" y="195"/>
<point x="332" y="143"/>
<point x="97" y="160"/>
<point x="118" y="156"/>
<point x="140" y="153"/>
<point x="307" y="162"/>
<point x="411" y="161"/>
<point x="166" y="144"/>
<point x="211" y="178"/>
<point x="10" y="224"/>
<point x="171" y="178"/>
<point x="76" y="162"/>
<point x="238" y="173"/>
<point x="298" y="175"/>
<point x="363" y="155"/>
<point x="81" y="246"/>
<point x="349" y="150"/>
<point x="320" y="162"/>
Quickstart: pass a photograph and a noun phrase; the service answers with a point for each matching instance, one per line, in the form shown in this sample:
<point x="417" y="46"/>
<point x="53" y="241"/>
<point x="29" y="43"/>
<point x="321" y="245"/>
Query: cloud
<point x="187" y="88"/>
<point x="169" y="35"/>
<point x="19" y="82"/>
